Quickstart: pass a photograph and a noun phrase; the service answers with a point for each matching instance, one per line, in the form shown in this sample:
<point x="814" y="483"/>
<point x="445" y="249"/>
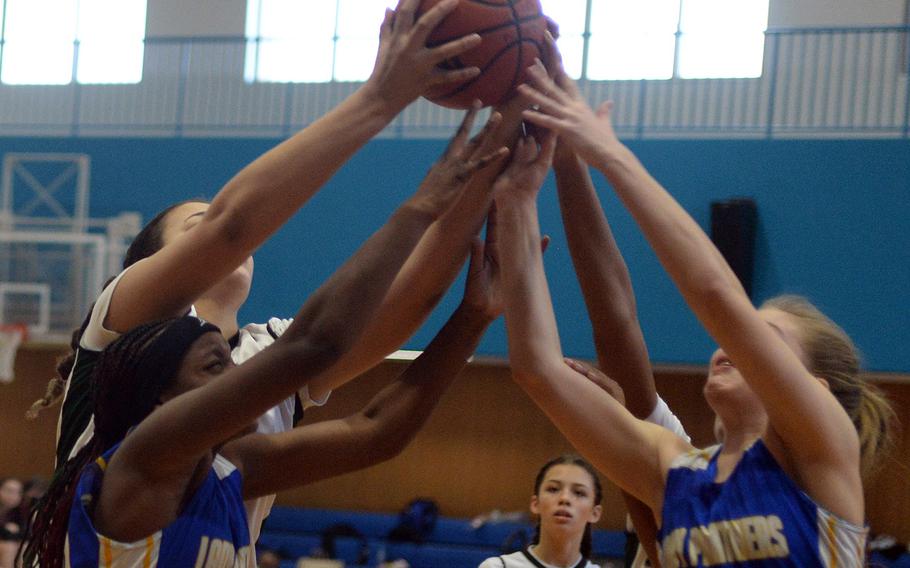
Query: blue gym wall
<point x="831" y="226"/>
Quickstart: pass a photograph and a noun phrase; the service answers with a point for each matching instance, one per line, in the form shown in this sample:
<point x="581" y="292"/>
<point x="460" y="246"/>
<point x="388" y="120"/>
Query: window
<point x="328" y="40"/>
<point x="661" y="39"/>
<point x="609" y="39"/>
<point x="42" y="39"/>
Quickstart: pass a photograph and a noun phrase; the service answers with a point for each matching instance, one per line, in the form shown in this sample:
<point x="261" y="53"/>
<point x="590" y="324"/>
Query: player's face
<point x="208" y="357"/>
<point x="565" y="500"/>
<point x="725" y="383"/>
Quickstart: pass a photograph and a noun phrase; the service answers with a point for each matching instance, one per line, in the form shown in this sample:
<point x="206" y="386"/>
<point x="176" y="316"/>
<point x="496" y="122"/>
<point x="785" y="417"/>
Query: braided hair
<point x="570" y="459"/>
<point x="149" y="241"/>
<point x="127" y="383"/>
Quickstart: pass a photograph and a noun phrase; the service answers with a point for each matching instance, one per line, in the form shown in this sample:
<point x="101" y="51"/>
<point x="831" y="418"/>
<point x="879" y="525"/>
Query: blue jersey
<point x="758" y="517"/>
<point x="211" y="531"/>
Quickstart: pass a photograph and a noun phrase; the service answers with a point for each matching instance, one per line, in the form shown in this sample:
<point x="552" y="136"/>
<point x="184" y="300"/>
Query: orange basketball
<point x="513" y="35"/>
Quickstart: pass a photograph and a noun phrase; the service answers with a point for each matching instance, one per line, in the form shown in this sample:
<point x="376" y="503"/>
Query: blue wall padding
<point x="832" y="226"/>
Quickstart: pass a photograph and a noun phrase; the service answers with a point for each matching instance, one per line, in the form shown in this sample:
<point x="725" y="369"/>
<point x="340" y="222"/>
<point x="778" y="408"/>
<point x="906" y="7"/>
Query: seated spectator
<point x="12" y="519"/>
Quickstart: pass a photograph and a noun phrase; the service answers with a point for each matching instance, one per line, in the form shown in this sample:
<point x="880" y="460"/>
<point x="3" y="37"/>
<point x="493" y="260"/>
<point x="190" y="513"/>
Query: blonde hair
<point x="832" y="356"/>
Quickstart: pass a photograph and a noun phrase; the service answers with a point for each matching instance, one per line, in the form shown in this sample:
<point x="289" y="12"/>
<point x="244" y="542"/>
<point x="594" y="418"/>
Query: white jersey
<point x="527" y="559"/>
<point x="252" y="338"/>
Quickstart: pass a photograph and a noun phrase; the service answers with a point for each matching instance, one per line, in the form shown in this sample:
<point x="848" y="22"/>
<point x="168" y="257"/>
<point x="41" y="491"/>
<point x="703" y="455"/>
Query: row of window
<point x="101" y="41"/>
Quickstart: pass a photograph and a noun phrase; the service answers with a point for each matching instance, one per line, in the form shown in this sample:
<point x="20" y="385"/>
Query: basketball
<point x="513" y="35"/>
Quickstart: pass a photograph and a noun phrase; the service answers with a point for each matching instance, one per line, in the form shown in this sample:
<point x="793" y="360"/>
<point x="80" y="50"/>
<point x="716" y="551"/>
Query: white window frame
<point x="81" y="55"/>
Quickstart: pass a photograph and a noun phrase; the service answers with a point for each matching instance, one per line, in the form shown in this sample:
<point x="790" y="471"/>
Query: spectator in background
<point x="268" y="559"/>
<point x="12" y="519"/>
<point x="566" y="500"/>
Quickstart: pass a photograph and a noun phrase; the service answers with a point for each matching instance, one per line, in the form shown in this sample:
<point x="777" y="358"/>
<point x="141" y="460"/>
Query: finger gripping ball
<point x="513" y="35"/>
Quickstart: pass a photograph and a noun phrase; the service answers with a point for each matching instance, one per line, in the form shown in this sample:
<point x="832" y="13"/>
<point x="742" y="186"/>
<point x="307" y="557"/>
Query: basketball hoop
<point x="12" y="335"/>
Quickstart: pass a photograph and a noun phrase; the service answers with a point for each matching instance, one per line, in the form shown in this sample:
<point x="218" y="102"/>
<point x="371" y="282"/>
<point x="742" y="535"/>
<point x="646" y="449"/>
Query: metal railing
<point x="821" y="82"/>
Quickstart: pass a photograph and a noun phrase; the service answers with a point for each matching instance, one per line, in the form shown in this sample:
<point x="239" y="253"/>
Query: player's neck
<point x="557" y="552"/>
<point x="225" y="317"/>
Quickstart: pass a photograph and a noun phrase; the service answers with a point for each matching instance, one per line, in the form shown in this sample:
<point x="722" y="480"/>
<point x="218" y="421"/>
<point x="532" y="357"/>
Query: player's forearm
<point x="397" y="412"/>
<point x="271" y="189"/>
<point x="605" y="284"/>
<point x="340" y="309"/>
<point x="530" y="321"/>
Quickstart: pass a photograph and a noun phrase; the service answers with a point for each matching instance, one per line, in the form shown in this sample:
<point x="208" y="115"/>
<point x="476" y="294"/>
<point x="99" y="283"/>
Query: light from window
<point x="38" y="49"/>
<point x="358" y="37"/>
<point x="632" y="40"/>
<point x="720" y="38"/>
<point x="570" y="16"/>
<point x="338" y="42"/>
<point x="111" y="44"/>
<point x="39" y="38"/>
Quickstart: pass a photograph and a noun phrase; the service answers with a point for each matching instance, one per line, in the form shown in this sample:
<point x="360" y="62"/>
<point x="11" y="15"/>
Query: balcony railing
<point x="818" y="82"/>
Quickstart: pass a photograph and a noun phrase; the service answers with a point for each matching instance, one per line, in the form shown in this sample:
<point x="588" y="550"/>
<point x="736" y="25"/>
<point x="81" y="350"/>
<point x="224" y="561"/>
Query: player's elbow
<point x="384" y="441"/>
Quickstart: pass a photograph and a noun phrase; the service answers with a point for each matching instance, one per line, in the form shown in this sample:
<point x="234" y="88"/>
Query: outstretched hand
<point x="528" y="168"/>
<point x="461" y="159"/>
<point x="483" y="289"/>
<point x="405" y="67"/>
<point x="483" y="286"/>
<point x="560" y="107"/>
<point x="609" y="386"/>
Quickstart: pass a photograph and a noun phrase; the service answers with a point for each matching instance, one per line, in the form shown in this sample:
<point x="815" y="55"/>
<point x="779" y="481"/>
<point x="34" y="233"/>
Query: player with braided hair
<point x="172" y="492"/>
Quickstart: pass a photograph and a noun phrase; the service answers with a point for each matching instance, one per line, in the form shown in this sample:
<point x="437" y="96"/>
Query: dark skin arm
<point x="441" y="253"/>
<point x="150" y="474"/>
<point x="380" y="431"/>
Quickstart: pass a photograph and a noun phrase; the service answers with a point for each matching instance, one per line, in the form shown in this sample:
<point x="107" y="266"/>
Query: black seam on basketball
<point x="514" y="22"/>
<point x="517" y="72"/>
<point x="492" y="60"/>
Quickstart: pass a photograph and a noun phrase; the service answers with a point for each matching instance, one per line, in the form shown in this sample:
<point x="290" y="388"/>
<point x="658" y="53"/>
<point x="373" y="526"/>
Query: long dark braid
<point x="145" y="244"/>
<point x="570" y="459"/>
<point x="120" y="402"/>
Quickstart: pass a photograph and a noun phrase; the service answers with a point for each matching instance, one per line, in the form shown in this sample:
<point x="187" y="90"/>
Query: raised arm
<point x="441" y="253"/>
<point x="261" y="197"/>
<point x="626" y="450"/>
<point x="808" y="427"/>
<point x="605" y="284"/>
<point x="380" y="431"/>
<point x="171" y="440"/>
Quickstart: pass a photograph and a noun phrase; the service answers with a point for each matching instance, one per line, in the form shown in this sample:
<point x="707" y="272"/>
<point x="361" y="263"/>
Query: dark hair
<point x="570" y="459"/>
<point x="146" y="243"/>
<point x="127" y="382"/>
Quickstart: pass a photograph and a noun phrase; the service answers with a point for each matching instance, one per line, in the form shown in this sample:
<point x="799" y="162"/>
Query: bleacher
<point x="454" y="543"/>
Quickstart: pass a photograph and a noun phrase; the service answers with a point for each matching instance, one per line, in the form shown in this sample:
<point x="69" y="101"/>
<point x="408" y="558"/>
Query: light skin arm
<point x="262" y="196"/>
<point x="609" y="297"/>
<point x="628" y="451"/>
<point x="640" y="513"/>
<point x="809" y="430"/>
<point x="161" y="454"/>
<point x="380" y="431"/>
<point x="439" y="256"/>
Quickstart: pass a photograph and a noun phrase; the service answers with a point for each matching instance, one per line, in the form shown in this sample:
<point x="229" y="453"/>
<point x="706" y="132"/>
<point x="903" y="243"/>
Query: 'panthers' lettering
<point x="724" y="542"/>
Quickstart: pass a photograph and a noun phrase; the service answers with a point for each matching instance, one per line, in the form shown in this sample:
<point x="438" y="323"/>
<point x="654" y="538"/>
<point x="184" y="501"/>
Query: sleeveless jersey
<point x="758" y="517"/>
<point x="211" y="531"/>
<point x="76" y="424"/>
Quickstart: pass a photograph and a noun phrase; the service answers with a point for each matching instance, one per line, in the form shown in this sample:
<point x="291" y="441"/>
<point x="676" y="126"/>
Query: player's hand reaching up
<point x="597" y="377"/>
<point x="560" y="107"/>
<point x="483" y="291"/>
<point x="462" y="157"/>
<point x="405" y="67"/>
<point x="529" y="166"/>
